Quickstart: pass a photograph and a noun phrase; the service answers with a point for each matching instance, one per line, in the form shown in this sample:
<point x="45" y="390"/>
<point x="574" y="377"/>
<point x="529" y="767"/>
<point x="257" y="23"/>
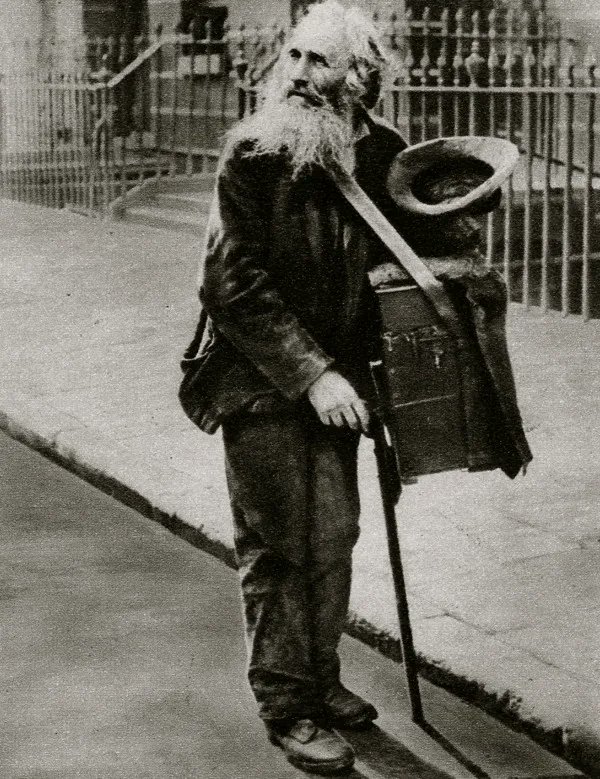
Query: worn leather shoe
<point x="312" y="748"/>
<point x="348" y="710"/>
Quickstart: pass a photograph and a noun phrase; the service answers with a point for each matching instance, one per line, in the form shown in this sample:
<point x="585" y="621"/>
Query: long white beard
<point x="311" y="135"/>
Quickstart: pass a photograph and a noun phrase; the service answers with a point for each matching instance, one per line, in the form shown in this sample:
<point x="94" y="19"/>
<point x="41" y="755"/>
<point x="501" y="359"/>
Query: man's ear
<point x="372" y="89"/>
<point x="365" y="83"/>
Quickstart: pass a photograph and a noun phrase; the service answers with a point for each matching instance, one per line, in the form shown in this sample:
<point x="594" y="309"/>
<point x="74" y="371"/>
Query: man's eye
<point x="294" y="54"/>
<point x="319" y="60"/>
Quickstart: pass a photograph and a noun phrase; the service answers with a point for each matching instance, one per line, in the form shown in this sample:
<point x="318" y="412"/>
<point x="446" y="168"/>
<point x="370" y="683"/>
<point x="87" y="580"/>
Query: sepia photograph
<point x="299" y="415"/>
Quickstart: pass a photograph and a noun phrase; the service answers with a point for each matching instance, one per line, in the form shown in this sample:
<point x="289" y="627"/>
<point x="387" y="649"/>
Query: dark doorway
<point x="115" y="17"/>
<point x="116" y="31"/>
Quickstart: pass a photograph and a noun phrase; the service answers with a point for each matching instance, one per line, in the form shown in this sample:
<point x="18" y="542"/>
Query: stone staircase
<point x="178" y="203"/>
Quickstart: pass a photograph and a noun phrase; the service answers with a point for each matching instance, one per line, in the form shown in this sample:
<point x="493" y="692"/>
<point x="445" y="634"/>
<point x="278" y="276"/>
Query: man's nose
<point x="299" y="74"/>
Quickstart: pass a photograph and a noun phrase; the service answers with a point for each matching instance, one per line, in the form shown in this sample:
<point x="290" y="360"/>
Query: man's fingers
<point x="355" y="415"/>
<point x="350" y="418"/>
<point x="337" y="418"/>
<point x="363" y="415"/>
<point x="324" y="417"/>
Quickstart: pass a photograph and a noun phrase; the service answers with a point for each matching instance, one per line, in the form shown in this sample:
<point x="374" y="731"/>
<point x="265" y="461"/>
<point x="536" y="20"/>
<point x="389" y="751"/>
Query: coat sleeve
<point x="239" y="293"/>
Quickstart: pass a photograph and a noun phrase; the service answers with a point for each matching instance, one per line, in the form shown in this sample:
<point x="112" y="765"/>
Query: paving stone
<point x="569" y="641"/>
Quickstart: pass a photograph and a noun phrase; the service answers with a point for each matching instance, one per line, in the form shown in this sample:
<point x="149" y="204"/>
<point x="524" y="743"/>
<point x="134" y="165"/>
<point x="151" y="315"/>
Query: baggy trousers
<point x="294" y="495"/>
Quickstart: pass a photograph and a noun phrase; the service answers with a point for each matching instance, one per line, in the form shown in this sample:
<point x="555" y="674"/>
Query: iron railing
<point x="83" y="122"/>
<point x="118" y="112"/>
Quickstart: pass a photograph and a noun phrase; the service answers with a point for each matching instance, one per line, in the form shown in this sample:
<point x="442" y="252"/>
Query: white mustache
<point x="312" y="97"/>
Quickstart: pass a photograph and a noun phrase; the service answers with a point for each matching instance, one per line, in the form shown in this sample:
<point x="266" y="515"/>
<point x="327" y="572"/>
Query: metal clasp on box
<point x="422" y="340"/>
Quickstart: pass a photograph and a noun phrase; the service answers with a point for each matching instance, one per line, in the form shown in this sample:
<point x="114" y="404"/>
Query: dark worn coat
<point x="286" y="288"/>
<point x="285" y="281"/>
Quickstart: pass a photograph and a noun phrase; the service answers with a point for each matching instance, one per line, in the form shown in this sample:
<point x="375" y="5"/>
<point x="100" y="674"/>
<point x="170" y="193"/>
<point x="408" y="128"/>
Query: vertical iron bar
<point x="37" y="136"/>
<point x="22" y="136"/>
<point x="509" y="202"/>
<point x="76" y="141"/>
<point x="139" y="91"/>
<point x="195" y="34"/>
<point x="588" y="209"/>
<point x="60" y="93"/>
<point x="10" y="132"/>
<point x="39" y="140"/>
<point x="25" y="136"/>
<point x="53" y="156"/>
<point x="110" y="142"/>
<point x="88" y="140"/>
<point x="8" y="121"/>
<point x="94" y="145"/>
<point x="528" y="62"/>
<point x="28" y="145"/>
<point x="207" y="94"/>
<point x="122" y="98"/>
<point x="44" y="139"/>
<point x="541" y="76"/>
<point x="27" y="133"/>
<point x="3" y="192"/>
<point x="158" y="74"/>
<point x="442" y="64"/>
<point x="174" y="101"/>
<point x="70" y="130"/>
<point x="569" y="105"/>
<point x="424" y="65"/>
<point x="14" y="158"/>
<point x="458" y="63"/>
<point x="226" y="82"/>
<point x="492" y="66"/>
<point x="18" y="98"/>
<point x="17" y="135"/>
<point x="546" y="199"/>
<point x="407" y="76"/>
<point x="56" y="123"/>
<point x="104" y="142"/>
<point x="508" y="210"/>
<point x="69" y="138"/>
<point x="146" y="92"/>
<point x="473" y="63"/>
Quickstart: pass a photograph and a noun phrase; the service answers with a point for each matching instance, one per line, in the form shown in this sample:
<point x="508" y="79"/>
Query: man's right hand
<point x="336" y="402"/>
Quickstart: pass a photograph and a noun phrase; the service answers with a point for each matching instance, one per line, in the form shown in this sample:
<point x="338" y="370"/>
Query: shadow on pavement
<point x="380" y="752"/>
<point x="453" y="750"/>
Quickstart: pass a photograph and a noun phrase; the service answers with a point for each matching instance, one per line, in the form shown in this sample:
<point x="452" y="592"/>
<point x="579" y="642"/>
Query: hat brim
<point x="501" y="155"/>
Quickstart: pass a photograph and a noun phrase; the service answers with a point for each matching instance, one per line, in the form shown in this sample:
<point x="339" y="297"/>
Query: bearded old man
<point x="285" y="367"/>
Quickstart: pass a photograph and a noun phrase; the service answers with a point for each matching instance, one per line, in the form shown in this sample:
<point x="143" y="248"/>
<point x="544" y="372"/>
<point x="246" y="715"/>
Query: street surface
<point x="122" y="658"/>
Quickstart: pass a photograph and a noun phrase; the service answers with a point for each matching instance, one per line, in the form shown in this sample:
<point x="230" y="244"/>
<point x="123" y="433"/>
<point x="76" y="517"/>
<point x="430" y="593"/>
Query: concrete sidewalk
<point x="123" y="658"/>
<point x="503" y="576"/>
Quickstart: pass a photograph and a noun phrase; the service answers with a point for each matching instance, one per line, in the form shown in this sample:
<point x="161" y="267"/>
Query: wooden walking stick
<point x="389" y="482"/>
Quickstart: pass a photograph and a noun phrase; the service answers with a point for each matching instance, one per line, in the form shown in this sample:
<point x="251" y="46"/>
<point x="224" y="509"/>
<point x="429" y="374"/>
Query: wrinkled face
<point x="314" y="67"/>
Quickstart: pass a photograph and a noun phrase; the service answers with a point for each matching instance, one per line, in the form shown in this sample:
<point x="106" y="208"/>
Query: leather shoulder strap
<point x="414" y="266"/>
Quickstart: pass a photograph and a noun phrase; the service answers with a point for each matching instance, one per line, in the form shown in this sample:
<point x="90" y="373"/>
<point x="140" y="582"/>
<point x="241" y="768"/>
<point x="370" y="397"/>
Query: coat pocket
<point x="196" y="390"/>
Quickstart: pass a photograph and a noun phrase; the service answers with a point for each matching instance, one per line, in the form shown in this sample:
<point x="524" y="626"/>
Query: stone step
<point x="182" y="183"/>
<point x="193" y="202"/>
<point x="167" y="218"/>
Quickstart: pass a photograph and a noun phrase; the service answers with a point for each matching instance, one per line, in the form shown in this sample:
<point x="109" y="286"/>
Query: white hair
<point x="359" y="39"/>
<point x="319" y="135"/>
